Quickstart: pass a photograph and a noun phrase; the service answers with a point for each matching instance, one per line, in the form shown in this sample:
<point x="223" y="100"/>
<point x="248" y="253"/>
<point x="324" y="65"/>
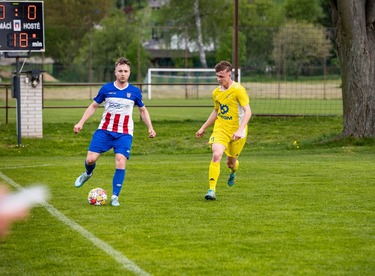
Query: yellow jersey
<point x="229" y="104"/>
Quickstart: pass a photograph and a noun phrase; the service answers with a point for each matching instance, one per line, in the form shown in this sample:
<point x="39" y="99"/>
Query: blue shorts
<point x="104" y="140"/>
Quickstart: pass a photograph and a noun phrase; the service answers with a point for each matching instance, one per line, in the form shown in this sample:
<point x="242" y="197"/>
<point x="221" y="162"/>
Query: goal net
<point x="181" y="82"/>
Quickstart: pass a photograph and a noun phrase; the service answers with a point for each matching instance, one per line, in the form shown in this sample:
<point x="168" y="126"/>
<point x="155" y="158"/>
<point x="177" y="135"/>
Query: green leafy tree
<point x="225" y="48"/>
<point x="116" y="36"/>
<point x="303" y="10"/>
<point x="67" y="22"/>
<point x="200" y="22"/>
<point x="299" y="44"/>
<point x="257" y="20"/>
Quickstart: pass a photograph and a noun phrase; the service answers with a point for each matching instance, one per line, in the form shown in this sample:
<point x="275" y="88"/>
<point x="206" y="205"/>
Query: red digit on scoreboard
<point x="31" y="12"/>
<point x="23" y="40"/>
<point x="18" y="40"/>
<point x="2" y="12"/>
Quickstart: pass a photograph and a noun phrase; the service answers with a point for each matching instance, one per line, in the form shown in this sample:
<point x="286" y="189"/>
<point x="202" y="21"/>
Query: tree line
<point x="91" y="34"/>
<point x="85" y="37"/>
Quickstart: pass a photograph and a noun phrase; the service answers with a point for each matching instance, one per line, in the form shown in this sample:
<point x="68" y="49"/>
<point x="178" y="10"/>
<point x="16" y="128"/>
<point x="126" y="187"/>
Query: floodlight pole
<point x="235" y="52"/>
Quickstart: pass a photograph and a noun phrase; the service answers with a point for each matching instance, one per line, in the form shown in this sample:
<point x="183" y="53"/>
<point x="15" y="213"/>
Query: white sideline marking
<point x="27" y="167"/>
<point x="120" y="258"/>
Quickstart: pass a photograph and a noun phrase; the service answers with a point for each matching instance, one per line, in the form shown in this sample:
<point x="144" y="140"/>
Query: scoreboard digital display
<point x="22" y="26"/>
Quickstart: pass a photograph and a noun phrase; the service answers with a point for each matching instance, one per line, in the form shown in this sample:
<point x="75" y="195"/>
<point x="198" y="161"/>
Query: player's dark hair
<point x="122" y="61"/>
<point x="223" y="65"/>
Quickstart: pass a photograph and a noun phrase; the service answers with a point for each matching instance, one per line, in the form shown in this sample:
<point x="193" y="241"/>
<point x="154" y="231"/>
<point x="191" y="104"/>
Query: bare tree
<point x="199" y="23"/>
<point x="202" y="54"/>
<point x="354" y="21"/>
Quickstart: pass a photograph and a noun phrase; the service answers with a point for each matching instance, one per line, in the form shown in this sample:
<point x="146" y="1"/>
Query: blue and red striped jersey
<point x="118" y="107"/>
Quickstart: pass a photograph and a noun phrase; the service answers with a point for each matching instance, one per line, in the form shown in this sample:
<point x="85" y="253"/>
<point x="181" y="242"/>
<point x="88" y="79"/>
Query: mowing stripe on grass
<point x="120" y="258"/>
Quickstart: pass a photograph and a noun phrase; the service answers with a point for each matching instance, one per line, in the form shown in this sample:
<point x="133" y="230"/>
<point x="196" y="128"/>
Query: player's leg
<point x="118" y="178"/>
<point x="90" y="164"/>
<point x="214" y="169"/>
<point x="233" y="152"/>
<point x="100" y="142"/>
<point x="233" y="165"/>
<point x="121" y="147"/>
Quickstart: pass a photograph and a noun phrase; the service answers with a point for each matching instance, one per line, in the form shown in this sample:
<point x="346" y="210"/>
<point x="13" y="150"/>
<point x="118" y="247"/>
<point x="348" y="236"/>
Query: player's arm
<point x="88" y="113"/>
<point x="147" y="119"/>
<point x="210" y="120"/>
<point x="245" y="120"/>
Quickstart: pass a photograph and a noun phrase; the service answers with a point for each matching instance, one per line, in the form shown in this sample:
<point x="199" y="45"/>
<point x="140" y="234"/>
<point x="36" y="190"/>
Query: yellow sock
<point x="213" y="174"/>
<point x="235" y="168"/>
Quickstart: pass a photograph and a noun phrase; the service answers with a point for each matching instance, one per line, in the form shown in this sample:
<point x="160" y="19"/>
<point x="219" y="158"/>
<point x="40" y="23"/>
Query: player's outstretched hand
<point x="237" y="135"/>
<point x="151" y="133"/>
<point x="77" y="128"/>
<point x="199" y="133"/>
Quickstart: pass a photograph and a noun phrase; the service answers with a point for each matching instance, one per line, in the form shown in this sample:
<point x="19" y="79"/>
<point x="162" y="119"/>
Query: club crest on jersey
<point x="223" y="108"/>
<point x="128" y="95"/>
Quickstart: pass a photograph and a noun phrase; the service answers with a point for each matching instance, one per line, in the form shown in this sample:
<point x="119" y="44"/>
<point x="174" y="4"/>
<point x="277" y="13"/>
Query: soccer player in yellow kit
<point x="230" y="117"/>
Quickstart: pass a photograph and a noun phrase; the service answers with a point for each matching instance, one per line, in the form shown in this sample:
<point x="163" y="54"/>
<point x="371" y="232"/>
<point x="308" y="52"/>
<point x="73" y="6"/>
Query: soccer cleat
<point x="231" y="179"/>
<point x="82" y="179"/>
<point x="210" y="195"/>
<point x="114" y="201"/>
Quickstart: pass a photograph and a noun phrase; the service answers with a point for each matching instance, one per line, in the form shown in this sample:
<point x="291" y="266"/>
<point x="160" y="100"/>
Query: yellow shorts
<point x="232" y="148"/>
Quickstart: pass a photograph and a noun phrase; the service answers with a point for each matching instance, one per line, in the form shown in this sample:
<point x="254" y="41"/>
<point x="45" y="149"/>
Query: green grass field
<point x="190" y="109"/>
<point x="303" y="203"/>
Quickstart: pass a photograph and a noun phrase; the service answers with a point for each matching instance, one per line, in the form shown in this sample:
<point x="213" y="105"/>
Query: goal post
<point x="181" y="76"/>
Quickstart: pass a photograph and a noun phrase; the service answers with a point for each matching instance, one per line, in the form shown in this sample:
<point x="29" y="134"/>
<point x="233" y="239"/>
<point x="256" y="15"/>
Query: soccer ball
<point x="97" y="196"/>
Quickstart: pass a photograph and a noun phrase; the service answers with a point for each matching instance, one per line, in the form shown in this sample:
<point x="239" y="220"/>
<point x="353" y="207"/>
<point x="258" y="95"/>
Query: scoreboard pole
<point x="17" y="91"/>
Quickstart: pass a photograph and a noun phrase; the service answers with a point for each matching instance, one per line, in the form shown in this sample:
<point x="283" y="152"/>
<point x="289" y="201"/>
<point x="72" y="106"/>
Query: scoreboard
<point x="22" y="26"/>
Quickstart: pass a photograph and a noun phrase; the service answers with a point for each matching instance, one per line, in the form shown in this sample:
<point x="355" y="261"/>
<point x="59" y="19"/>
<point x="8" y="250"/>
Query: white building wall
<point x="31" y="107"/>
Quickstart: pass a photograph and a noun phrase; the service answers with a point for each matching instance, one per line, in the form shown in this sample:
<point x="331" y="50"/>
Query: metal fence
<point x="274" y="98"/>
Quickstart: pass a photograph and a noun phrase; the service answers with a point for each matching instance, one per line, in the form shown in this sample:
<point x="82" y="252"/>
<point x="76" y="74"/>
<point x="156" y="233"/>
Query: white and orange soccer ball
<point x="97" y="197"/>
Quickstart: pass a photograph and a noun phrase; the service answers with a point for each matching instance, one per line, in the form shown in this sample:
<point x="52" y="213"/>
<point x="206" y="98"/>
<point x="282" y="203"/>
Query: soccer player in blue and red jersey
<point x="230" y="117"/>
<point x="116" y="126"/>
